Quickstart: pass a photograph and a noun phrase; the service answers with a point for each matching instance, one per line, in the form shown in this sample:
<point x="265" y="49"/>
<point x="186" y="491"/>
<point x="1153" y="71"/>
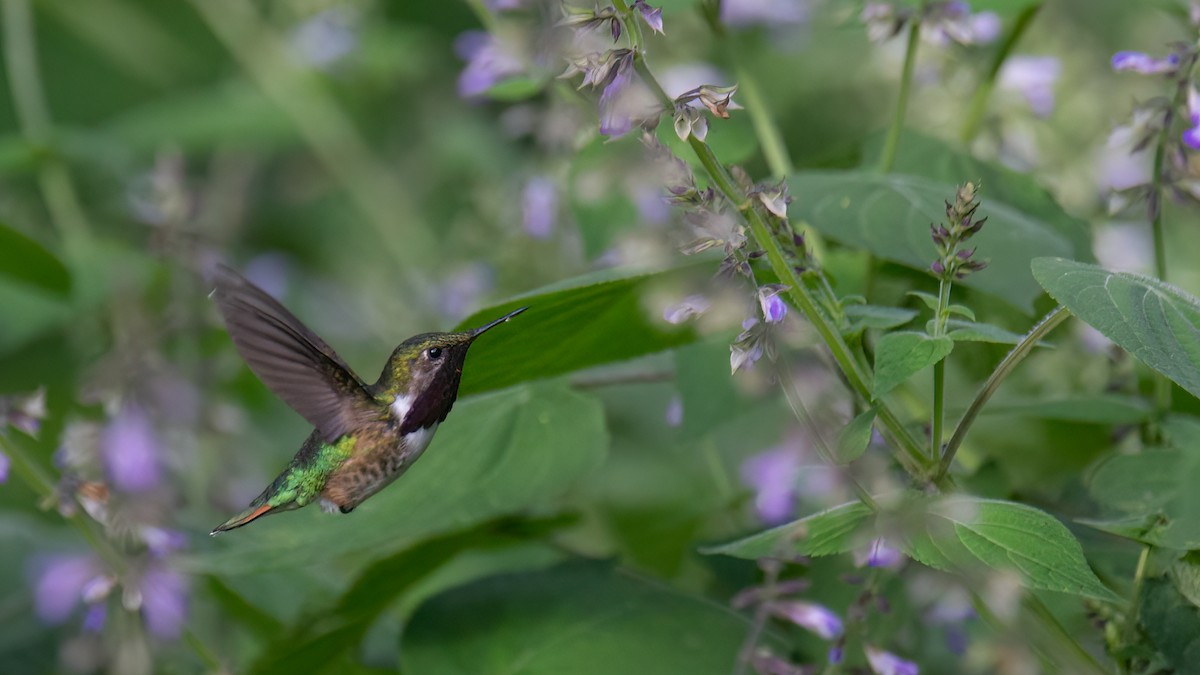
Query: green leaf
<point x="853" y="439"/>
<point x="873" y="316"/>
<point x="921" y="155"/>
<point x="1156" y="322"/>
<point x="1107" y="409"/>
<point x="495" y="455"/>
<point x="1158" y="487"/>
<point x="961" y="310"/>
<point x="316" y="640"/>
<point x="1172" y="623"/>
<point x="829" y="532"/>
<point x="1011" y="537"/>
<point x="969" y="331"/>
<point x="705" y="387"/>
<point x="1185" y="573"/>
<point x="930" y="300"/>
<point x="23" y="259"/>
<point x="899" y="356"/>
<point x="516" y="89"/>
<point x="889" y="216"/>
<point x="598" y="320"/>
<point x="580" y="618"/>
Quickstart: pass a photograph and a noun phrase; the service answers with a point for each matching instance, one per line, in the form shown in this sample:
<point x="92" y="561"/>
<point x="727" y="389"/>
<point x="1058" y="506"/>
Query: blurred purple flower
<point x="487" y="63"/>
<point x="615" y="119"/>
<point x="985" y="27"/>
<point x="772" y="475"/>
<point x="651" y="206"/>
<point x="539" y="207"/>
<point x="651" y="15"/>
<point x="3" y="467"/>
<point x="887" y="663"/>
<point x="1191" y="137"/>
<point x="162" y="541"/>
<point x="878" y="554"/>
<point x="836" y="654"/>
<point x="770" y="13"/>
<point x="326" y="38"/>
<point x="674" y="414"/>
<point x="164" y="601"/>
<point x="460" y="292"/>
<point x="1141" y="62"/>
<point x="130" y="451"/>
<point x="810" y="616"/>
<point x="93" y="620"/>
<point x="60" y="583"/>
<point x="502" y="5"/>
<point x="772" y="306"/>
<point x="1034" y="78"/>
<point x="270" y="272"/>
<point x="692" y="305"/>
<point x="24" y="413"/>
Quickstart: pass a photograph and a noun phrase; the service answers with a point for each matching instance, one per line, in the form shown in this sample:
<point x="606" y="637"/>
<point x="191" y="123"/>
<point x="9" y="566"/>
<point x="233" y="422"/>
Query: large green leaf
<point x="1100" y="409"/>
<point x="826" y="533"/>
<point x="965" y="532"/>
<point x="921" y="155"/>
<point x="1172" y="624"/>
<point x="899" y="356"/>
<point x="889" y="215"/>
<point x="592" y="321"/>
<point x="579" y="618"/>
<point x="1157" y="488"/>
<point x="26" y="261"/>
<point x="1156" y="322"/>
<point x="494" y="455"/>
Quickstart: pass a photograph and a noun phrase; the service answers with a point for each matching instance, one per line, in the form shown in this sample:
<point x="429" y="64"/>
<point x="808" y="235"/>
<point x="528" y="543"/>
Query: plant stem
<point x="888" y="158"/>
<point x="973" y="119"/>
<point x="939" y="373"/>
<point x="1129" y="634"/>
<point x="1014" y="357"/>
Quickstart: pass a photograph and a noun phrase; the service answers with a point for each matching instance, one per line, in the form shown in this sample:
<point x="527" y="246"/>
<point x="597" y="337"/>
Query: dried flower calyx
<point x="954" y="262"/>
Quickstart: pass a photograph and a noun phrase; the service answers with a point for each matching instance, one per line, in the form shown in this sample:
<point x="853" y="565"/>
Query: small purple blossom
<point x="488" y="62"/>
<point x="836" y="654"/>
<point x="878" y="554"/>
<point x="770" y="13"/>
<point x="3" y="467"/>
<point x="164" y="601"/>
<point x="130" y="451"/>
<point x="1034" y="77"/>
<point x="539" y="207"/>
<point x="692" y="305"/>
<point x="93" y="620"/>
<point x="773" y="475"/>
<point x="674" y="413"/>
<point x="772" y="306"/>
<point x="502" y="5"/>
<point x="326" y="38"/>
<point x="60" y="583"/>
<point x="615" y="119"/>
<point x="1191" y="137"/>
<point x="887" y="663"/>
<point x="162" y="541"/>
<point x="651" y="15"/>
<point x="985" y="27"/>
<point x="810" y="616"/>
<point x="1141" y="62"/>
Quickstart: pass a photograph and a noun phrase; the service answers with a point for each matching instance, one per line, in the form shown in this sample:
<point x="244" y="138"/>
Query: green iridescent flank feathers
<point x="304" y="483"/>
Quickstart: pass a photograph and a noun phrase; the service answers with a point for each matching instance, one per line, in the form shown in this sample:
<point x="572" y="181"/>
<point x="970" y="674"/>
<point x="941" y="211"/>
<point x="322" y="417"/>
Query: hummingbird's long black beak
<point x="483" y="329"/>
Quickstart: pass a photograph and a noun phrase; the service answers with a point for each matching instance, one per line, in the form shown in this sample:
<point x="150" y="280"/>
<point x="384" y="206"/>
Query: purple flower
<point x="502" y="5"/>
<point x="129" y="448"/>
<point x="810" y="616"/>
<point x="651" y="15"/>
<point x="326" y="38"/>
<point x="1191" y="137"/>
<point x="773" y="307"/>
<point x="1034" y="78"/>
<point x="93" y="620"/>
<point x="164" y="601"/>
<point x="3" y="467"/>
<point x="162" y="541"/>
<point x="674" y="414"/>
<point x="773" y="475"/>
<point x="60" y="583"/>
<point x="887" y="663"/>
<point x="692" y="305"/>
<point x="878" y="554"/>
<point x="985" y="27"/>
<point x="615" y="119"/>
<point x="539" y="207"/>
<point x="487" y="63"/>
<point x="1141" y="62"/>
<point x="771" y="13"/>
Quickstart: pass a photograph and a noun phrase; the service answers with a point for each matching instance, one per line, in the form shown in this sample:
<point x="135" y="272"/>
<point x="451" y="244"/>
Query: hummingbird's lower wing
<point x="292" y="360"/>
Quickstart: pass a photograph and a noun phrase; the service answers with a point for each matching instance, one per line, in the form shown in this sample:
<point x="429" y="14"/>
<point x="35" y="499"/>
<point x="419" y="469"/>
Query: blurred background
<point x="387" y="168"/>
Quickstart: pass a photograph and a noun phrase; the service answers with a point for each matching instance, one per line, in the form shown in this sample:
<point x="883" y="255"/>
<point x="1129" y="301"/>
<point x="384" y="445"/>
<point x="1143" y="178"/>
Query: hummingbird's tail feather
<point x="243" y="518"/>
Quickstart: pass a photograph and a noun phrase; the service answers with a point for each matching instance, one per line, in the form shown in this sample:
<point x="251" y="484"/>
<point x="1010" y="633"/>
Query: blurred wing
<point x="290" y="359"/>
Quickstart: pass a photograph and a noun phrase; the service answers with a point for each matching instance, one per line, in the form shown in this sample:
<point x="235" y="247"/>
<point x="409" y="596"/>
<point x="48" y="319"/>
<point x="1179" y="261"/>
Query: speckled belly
<point x="363" y="475"/>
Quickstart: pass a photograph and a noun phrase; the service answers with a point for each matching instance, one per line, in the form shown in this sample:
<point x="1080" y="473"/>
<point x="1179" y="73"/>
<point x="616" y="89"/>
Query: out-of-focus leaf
<point x="516" y="89"/>
<point x="598" y="200"/>
<point x="23" y="259"/>
<point x="577" y="327"/>
<point x="889" y="215"/>
<point x="733" y="140"/>
<point x="233" y="112"/>
<point x="705" y="387"/>
<point x="829" y="532"/>
<point x="970" y="331"/>
<point x="1157" y="486"/>
<point x="1185" y="573"/>
<point x="921" y="155"/>
<point x="1006" y="536"/>
<point x="1101" y="409"/>
<point x="320" y="638"/>
<point x="494" y="455"/>
<point x="236" y="607"/>
<point x="872" y="316"/>
<point x="1172" y="623"/>
<point x="853" y="439"/>
<point x="1156" y="322"/>
<point x="579" y="618"/>
<point x="899" y="356"/>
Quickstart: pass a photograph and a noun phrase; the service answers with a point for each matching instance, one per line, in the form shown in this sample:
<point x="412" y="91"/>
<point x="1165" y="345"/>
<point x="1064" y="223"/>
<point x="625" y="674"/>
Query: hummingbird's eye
<point x="434" y="353"/>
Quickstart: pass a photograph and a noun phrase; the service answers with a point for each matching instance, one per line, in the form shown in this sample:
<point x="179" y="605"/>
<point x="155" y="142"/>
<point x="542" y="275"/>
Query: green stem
<point x="973" y="119"/>
<point x="1014" y="357"/>
<point x="1129" y="634"/>
<point x="939" y="372"/>
<point x="888" y="158"/>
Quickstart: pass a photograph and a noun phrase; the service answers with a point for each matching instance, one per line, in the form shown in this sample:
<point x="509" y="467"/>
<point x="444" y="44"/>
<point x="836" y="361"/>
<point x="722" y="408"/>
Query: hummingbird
<point x="365" y="435"/>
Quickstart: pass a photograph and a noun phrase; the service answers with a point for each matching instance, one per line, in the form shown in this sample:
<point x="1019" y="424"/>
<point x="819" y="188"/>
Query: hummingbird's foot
<point x="329" y="507"/>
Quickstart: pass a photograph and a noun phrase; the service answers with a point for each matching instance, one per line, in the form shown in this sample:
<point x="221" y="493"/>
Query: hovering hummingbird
<point x="366" y="435"/>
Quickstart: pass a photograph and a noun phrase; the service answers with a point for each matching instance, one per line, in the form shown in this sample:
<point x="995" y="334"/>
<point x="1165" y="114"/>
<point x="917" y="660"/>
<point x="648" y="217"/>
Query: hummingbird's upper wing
<point x="291" y="360"/>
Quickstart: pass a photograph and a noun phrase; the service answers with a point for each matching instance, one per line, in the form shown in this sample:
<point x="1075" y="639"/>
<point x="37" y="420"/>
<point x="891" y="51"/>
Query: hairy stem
<point x="939" y="373"/>
<point x="888" y="158"/>
<point x="977" y="108"/>
<point x="1010" y="362"/>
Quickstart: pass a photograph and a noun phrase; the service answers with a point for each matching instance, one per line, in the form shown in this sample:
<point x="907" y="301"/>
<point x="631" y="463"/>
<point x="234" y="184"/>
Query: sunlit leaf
<point x="899" y="356"/>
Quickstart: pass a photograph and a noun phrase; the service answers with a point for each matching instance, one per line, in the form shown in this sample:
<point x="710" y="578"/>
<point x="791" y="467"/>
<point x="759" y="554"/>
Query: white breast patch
<point x="415" y="442"/>
<point x="401" y="406"/>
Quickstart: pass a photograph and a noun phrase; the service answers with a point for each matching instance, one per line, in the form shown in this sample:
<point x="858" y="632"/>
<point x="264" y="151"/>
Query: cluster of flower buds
<point x="954" y="262"/>
<point x="584" y="20"/>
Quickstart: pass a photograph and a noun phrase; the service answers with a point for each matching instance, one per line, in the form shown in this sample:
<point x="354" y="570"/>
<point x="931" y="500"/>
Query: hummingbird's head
<point x="421" y="378"/>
